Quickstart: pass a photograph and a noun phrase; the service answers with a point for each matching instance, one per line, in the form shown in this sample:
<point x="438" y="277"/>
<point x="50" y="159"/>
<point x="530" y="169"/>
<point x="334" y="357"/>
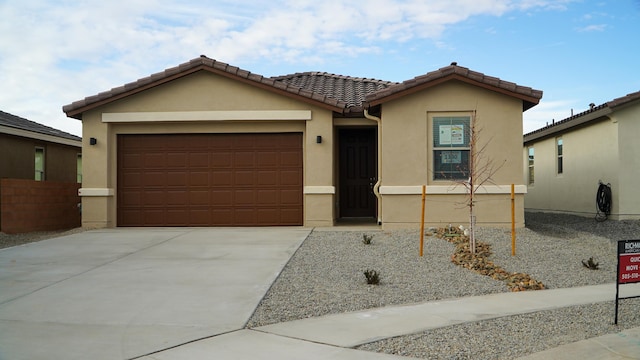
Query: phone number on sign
<point x="630" y="276"/>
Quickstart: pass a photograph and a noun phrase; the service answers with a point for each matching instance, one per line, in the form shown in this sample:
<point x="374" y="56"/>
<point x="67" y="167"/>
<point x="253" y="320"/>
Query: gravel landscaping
<point x="325" y="276"/>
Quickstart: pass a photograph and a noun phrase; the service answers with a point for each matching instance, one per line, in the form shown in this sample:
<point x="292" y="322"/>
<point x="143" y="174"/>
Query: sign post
<point x="628" y="267"/>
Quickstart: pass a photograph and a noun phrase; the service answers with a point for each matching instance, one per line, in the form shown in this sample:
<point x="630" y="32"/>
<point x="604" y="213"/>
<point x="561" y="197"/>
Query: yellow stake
<point x="424" y="193"/>
<point x="513" y="221"/>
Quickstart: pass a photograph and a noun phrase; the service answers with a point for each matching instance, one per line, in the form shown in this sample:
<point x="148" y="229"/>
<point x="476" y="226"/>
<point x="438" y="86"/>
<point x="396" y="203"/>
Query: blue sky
<point x="576" y="51"/>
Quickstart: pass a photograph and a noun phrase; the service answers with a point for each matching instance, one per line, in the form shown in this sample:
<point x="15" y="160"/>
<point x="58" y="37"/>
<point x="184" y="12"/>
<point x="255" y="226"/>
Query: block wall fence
<point x="29" y="205"/>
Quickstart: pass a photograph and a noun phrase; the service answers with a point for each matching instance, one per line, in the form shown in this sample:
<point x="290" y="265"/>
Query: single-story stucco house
<point x="570" y="158"/>
<point x="208" y="144"/>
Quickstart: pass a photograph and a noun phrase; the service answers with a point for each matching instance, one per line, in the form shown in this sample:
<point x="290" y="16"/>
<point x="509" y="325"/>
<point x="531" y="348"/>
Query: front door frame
<point x="370" y="167"/>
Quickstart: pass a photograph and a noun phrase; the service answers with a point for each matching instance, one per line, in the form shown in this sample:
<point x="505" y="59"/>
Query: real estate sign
<point x="628" y="261"/>
<point x="628" y="266"/>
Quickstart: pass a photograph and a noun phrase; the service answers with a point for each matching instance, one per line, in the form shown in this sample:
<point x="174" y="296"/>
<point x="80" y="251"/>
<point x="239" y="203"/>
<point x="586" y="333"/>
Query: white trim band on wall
<point x="206" y="116"/>
<point x="95" y="192"/>
<point x="450" y="190"/>
<point x="309" y="190"/>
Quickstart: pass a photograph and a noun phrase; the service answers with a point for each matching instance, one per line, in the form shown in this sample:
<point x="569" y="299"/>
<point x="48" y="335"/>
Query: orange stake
<point x="424" y="195"/>
<point x="513" y="220"/>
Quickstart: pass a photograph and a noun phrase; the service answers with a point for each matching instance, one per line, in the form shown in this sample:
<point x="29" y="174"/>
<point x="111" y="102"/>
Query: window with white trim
<point x="39" y="164"/>
<point x="531" y="154"/>
<point x="451" y="147"/>
<point x="559" y="154"/>
<point x="79" y="168"/>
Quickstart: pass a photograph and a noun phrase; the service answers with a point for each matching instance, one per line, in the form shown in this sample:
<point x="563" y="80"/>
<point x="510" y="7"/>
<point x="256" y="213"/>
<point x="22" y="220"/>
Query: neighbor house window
<point x="79" y="168"/>
<point x="451" y="138"/>
<point x="559" y="152"/>
<point x="531" y="156"/>
<point x="39" y="164"/>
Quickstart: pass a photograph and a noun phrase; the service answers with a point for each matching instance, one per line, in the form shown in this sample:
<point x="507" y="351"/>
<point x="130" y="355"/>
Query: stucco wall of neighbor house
<point x="203" y="91"/>
<point x="590" y="154"/>
<point x="18" y="159"/>
<point x="629" y="167"/>
<point x="407" y="156"/>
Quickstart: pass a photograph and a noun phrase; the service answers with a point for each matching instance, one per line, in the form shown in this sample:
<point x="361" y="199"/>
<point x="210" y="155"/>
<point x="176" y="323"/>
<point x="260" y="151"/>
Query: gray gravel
<point x="325" y="276"/>
<point x="10" y="240"/>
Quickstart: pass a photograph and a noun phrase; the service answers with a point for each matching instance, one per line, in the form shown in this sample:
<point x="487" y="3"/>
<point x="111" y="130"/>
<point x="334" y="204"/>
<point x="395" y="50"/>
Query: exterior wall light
<point x="318" y="139"/>
<point x="93" y="141"/>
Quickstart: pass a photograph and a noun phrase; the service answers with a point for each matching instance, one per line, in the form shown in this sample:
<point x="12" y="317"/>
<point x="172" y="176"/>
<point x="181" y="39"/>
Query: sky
<point x="577" y="52"/>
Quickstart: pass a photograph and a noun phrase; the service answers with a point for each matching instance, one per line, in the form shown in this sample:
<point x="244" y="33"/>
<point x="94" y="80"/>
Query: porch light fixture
<point x="319" y="139"/>
<point x="93" y="141"/>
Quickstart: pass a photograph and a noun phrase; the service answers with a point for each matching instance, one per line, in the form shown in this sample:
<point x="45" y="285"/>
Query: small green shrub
<point x="366" y="239"/>
<point x="373" y="278"/>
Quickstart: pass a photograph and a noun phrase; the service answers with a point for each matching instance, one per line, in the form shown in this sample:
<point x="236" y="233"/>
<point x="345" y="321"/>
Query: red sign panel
<point x="628" y="261"/>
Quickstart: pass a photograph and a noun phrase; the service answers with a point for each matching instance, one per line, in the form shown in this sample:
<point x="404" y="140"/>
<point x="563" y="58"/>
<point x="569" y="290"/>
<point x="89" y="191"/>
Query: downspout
<point x="376" y="187"/>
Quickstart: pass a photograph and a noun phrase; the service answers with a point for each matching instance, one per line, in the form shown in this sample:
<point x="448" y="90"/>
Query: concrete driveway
<point x="125" y="293"/>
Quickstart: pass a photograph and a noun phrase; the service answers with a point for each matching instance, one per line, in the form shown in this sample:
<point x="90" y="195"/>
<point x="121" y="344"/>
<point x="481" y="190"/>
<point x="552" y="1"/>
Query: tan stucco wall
<point x="203" y="91"/>
<point x="628" y="192"/>
<point x="407" y="155"/>
<point x="590" y="154"/>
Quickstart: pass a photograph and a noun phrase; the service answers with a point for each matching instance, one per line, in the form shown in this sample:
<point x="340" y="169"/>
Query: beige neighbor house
<point x="209" y="144"/>
<point x="570" y="158"/>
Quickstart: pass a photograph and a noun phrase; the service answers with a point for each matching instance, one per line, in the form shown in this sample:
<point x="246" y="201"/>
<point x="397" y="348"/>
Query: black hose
<point x="603" y="201"/>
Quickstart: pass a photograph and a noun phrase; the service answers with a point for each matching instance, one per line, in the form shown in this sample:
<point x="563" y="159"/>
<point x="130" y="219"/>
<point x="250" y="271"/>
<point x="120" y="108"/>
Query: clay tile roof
<point x="624" y="99"/>
<point x="594" y="113"/>
<point x="17" y="122"/>
<point x="343" y="89"/>
<point x="76" y="108"/>
<point x="530" y="96"/>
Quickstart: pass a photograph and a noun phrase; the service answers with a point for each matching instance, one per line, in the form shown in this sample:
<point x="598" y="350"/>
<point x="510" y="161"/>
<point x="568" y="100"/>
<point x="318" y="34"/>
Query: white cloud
<point x="547" y="112"/>
<point x="594" y="27"/>
<point x="59" y="52"/>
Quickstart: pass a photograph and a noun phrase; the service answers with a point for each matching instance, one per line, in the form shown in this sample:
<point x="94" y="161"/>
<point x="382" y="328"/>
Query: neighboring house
<point x="569" y="158"/>
<point x="209" y="144"/>
<point x="38" y="152"/>
<point x="40" y="172"/>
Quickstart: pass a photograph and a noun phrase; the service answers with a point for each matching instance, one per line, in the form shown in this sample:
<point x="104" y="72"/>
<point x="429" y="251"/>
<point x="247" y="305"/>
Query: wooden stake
<point x="424" y="195"/>
<point x="513" y="220"/>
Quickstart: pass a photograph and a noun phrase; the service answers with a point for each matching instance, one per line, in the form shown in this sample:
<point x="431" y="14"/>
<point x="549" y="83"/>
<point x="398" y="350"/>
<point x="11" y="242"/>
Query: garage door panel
<point x="290" y="158"/>
<point x="210" y="180"/>
<point x="199" y="160"/>
<point x="198" y="179"/>
<point x="291" y="177"/>
<point x="266" y="178"/>
<point x="223" y="197"/>
<point x="244" y="178"/>
<point x="132" y="161"/>
<point x="175" y="178"/>
<point x="290" y="197"/>
<point x="132" y="179"/>
<point x="155" y="160"/>
<point x="177" y="160"/>
<point x="154" y="178"/>
<point x="198" y="197"/>
<point x="153" y="197"/>
<point x="221" y="160"/>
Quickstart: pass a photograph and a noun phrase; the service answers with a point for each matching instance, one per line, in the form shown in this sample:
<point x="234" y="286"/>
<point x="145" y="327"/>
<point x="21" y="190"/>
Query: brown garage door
<point x="210" y="180"/>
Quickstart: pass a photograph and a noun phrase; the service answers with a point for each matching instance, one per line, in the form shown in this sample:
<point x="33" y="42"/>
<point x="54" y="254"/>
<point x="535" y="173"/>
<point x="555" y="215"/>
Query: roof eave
<point x="527" y="101"/>
<point x="562" y="126"/>
<point x="76" y="109"/>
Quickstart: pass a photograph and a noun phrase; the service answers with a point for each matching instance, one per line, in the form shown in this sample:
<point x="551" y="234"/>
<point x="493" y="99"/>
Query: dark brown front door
<point x="210" y="180"/>
<point x="357" y="172"/>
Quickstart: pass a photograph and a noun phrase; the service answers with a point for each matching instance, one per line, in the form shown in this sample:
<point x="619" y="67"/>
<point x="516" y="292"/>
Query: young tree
<point x="480" y="172"/>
